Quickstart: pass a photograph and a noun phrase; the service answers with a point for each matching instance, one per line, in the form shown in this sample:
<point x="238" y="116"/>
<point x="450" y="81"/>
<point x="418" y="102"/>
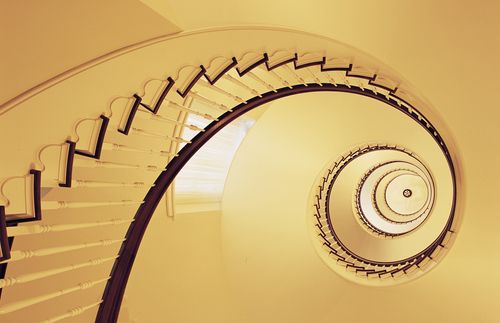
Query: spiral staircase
<point x="379" y="214"/>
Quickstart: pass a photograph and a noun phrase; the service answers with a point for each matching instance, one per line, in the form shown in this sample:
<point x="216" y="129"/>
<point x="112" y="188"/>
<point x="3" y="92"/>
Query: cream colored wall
<point x="272" y="268"/>
<point x="163" y="8"/>
<point x="43" y="39"/>
<point x="178" y="274"/>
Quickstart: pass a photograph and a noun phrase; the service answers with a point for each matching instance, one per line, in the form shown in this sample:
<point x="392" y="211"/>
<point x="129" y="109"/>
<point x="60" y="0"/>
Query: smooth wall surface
<point x="41" y="39"/>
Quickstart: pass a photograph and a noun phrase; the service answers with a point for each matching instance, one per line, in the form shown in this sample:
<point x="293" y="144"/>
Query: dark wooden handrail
<point x="115" y="288"/>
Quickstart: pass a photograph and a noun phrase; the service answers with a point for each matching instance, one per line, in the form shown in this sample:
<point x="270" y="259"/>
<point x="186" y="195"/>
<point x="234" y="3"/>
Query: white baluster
<point x="195" y="95"/>
<point x="112" y="146"/>
<point x="314" y="76"/>
<point x="160" y="118"/>
<point x="17" y="255"/>
<point x="44" y="228"/>
<point x="374" y="89"/>
<point x="183" y="108"/>
<point x="261" y="81"/>
<point x="72" y="312"/>
<point x="86" y="162"/>
<point x="346" y="81"/>
<point x="221" y="91"/>
<point x="10" y="281"/>
<point x="298" y="77"/>
<point x="57" y="205"/>
<point x="152" y="134"/>
<point x="330" y="78"/>
<point x="90" y="183"/>
<point x="280" y="79"/>
<point x="242" y="85"/>
<point x="15" y="306"/>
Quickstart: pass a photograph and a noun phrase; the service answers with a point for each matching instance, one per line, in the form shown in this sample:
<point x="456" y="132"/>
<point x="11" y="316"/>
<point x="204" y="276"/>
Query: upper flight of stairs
<point x="72" y="224"/>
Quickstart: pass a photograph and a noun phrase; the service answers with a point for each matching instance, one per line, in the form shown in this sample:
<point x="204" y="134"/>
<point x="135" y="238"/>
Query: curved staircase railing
<point x="130" y="156"/>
